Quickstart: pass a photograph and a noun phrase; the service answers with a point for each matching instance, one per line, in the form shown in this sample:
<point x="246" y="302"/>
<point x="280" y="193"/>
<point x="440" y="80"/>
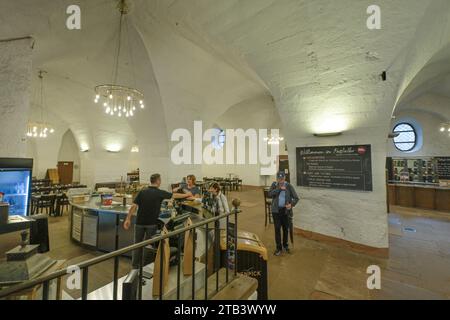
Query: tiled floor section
<point x="418" y="266"/>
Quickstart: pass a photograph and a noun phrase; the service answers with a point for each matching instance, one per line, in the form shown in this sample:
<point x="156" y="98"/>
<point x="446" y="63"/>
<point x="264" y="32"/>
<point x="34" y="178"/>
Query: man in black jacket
<point x="284" y="198"/>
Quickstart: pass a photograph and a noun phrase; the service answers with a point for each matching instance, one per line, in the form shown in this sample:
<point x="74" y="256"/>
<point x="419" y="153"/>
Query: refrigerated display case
<point x="15" y="184"/>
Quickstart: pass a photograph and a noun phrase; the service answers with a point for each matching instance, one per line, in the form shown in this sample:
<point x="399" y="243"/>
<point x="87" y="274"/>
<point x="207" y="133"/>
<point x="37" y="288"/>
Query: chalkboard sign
<point x="443" y="168"/>
<point x="336" y="167"/>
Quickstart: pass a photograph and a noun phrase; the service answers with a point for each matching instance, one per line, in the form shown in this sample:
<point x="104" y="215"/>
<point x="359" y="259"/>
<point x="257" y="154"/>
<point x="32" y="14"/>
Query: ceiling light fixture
<point x="40" y="129"/>
<point x="445" y="127"/>
<point x="273" y="139"/>
<point x="117" y="99"/>
<point x="328" y="134"/>
<point x="135" y="149"/>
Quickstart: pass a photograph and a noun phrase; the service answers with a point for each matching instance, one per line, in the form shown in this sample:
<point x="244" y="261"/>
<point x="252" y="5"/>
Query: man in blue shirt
<point x="284" y="198"/>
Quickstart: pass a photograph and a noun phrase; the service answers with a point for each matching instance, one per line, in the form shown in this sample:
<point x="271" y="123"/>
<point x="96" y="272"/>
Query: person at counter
<point x="284" y="199"/>
<point x="148" y="205"/>
<point x="189" y="190"/>
<point x="222" y="203"/>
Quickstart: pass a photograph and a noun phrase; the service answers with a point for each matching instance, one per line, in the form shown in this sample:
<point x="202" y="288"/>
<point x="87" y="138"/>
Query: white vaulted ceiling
<point x="181" y="80"/>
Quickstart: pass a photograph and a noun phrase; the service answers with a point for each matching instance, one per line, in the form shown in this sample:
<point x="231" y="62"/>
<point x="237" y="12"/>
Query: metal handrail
<point x="115" y="254"/>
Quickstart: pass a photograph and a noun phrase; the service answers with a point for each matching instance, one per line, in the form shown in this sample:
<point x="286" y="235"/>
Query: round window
<point x="407" y="137"/>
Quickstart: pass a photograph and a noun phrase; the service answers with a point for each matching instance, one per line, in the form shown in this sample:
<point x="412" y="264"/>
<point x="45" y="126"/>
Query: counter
<point x="423" y="196"/>
<point x="101" y="227"/>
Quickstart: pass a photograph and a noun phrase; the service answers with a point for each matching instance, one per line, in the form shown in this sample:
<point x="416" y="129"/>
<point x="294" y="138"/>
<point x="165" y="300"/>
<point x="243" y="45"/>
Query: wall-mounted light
<point x="84" y="147"/>
<point x="445" y="127"/>
<point x="135" y="149"/>
<point x="113" y="148"/>
<point x="327" y="134"/>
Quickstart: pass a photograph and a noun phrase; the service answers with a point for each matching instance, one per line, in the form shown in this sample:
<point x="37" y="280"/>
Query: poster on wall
<point x="335" y="167"/>
<point x="443" y="168"/>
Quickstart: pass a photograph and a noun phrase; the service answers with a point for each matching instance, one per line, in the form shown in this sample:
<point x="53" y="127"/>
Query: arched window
<point x="218" y="138"/>
<point x="407" y="137"/>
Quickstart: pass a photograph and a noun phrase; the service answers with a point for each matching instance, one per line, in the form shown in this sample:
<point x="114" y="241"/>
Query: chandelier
<point x="40" y="129"/>
<point x="445" y="127"/>
<point x="117" y="99"/>
<point x="271" y="139"/>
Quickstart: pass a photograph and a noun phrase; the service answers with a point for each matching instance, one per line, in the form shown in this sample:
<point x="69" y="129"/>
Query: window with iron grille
<point x="407" y="137"/>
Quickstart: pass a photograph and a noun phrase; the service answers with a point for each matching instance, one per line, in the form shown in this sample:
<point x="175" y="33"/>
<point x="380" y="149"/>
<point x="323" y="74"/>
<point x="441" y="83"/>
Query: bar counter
<point x="101" y="227"/>
<point x="416" y="195"/>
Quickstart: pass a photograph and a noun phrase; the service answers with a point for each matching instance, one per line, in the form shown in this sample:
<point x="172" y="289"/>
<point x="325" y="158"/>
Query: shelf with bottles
<point x="415" y="170"/>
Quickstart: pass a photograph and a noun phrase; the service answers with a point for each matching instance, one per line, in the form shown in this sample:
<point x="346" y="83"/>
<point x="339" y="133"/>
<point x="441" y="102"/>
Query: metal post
<point x="116" y="260"/>
<point x="194" y="237"/>
<point x="84" y="285"/>
<point x="227" y="251"/>
<point x="141" y="271"/>
<point x="45" y="290"/>
<point x="206" y="261"/>
<point x="236" y="242"/>
<point x="217" y="252"/>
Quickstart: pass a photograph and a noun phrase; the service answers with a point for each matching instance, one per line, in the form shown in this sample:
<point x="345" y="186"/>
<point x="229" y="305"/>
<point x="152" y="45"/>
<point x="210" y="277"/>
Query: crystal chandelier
<point x="117" y="99"/>
<point x="445" y="127"/>
<point x="40" y="129"/>
<point x="271" y="139"/>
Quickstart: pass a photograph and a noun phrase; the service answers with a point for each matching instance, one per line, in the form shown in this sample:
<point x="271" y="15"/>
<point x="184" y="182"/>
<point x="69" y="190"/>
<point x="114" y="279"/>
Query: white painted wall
<point x="15" y="79"/>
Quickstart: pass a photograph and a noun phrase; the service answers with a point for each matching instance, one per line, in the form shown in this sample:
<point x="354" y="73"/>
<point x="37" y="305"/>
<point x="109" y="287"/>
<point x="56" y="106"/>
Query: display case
<point x="422" y="170"/>
<point x="15" y="184"/>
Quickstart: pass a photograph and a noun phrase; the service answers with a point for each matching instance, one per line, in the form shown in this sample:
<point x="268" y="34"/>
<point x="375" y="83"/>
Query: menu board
<point x="443" y="168"/>
<point x="335" y="167"/>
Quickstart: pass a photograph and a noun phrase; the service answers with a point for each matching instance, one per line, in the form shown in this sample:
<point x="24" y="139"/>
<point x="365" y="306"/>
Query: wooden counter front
<point x="416" y="196"/>
<point x="405" y="196"/>
<point x="442" y="200"/>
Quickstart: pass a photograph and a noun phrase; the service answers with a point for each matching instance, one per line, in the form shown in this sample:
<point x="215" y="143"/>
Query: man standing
<point x="284" y="198"/>
<point x="148" y="205"/>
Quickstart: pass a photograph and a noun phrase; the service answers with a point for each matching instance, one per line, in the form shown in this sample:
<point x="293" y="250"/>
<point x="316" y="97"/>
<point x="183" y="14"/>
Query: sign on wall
<point x="335" y="167"/>
<point x="443" y="168"/>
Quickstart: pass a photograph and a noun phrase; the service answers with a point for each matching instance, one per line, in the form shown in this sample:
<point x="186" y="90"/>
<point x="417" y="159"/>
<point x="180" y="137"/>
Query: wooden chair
<point x="267" y="207"/>
<point x="46" y="202"/>
<point x="62" y="203"/>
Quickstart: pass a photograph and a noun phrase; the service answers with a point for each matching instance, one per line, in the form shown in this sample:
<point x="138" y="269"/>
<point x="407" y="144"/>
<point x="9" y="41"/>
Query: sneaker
<point x="277" y="253"/>
<point x="287" y="250"/>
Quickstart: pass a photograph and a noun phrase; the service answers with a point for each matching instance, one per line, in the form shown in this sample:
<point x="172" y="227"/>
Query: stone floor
<point x="418" y="266"/>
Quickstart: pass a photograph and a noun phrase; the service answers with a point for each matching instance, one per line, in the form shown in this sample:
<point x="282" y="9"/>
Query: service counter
<point x="101" y="227"/>
<point x="417" y="195"/>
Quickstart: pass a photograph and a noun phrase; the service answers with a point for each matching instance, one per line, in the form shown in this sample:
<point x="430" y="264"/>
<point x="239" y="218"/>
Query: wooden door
<point x="65" y="172"/>
<point x="283" y="165"/>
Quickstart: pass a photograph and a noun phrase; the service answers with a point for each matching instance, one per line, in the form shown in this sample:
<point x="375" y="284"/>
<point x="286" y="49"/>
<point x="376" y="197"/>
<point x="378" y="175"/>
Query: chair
<point x="239" y="184"/>
<point x="46" y="202"/>
<point x="267" y="206"/>
<point x="62" y="202"/>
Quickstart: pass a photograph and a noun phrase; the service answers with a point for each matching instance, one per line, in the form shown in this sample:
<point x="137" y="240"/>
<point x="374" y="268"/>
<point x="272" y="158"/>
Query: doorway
<point x="65" y="172"/>
<point x="283" y="165"/>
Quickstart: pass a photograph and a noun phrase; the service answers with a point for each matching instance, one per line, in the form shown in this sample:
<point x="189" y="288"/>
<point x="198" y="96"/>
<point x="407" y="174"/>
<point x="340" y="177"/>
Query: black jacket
<point x="291" y="195"/>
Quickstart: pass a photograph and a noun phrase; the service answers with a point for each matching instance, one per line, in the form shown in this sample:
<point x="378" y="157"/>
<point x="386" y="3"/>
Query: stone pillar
<point x="15" y="85"/>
